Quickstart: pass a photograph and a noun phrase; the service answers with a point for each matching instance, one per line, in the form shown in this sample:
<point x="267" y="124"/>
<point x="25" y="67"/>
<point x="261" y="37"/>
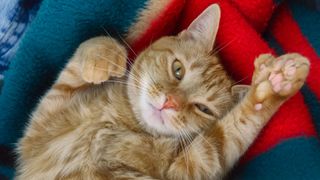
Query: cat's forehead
<point x="206" y="79"/>
<point x="204" y="73"/>
<point x="181" y="49"/>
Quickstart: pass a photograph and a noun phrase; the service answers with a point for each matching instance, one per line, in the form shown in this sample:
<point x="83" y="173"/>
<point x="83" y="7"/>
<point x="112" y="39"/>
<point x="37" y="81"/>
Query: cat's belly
<point x="116" y="148"/>
<point x="70" y="154"/>
<point x="99" y="147"/>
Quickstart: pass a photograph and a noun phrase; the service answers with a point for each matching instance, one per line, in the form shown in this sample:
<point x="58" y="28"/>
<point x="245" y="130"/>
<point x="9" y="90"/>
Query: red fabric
<point x="163" y="25"/>
<point x="257" y="12"/>
<point x="239" y="43"/>
<point x="292" y="120"/>
<point x="286" y="31"/>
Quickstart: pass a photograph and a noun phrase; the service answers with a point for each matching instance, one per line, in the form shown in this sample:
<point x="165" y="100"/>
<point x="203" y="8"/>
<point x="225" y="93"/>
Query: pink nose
<point x="171" y="103"/>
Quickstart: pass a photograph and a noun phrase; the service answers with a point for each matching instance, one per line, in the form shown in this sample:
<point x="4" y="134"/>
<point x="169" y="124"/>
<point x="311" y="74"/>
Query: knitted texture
<point x="48" y="43"/>
<point x="15" y="17"/>
<point x="288" y="147"/>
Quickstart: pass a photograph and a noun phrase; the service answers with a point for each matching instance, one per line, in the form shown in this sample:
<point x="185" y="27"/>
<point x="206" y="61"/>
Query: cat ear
<point x="239" y="91"/>
<point x="205" y="27"/>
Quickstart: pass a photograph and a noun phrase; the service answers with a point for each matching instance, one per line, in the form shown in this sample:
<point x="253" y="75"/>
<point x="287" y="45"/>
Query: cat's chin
<point x="158" y="121"/>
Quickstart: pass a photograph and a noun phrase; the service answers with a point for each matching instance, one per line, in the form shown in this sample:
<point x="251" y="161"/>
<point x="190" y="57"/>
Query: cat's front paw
<point x="102" y="58"/>
<point x="279" y="77"/>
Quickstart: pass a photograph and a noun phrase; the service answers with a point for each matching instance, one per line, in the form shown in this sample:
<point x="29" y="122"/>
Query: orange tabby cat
<point x="170" y="117"/>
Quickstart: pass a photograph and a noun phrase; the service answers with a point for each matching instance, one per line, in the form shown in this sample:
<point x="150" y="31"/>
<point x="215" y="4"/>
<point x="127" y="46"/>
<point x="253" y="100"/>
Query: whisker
<point x="127" y="71"/>
<point x="125" y="42"/>
<point x="121" y="82"/>
<point x="128" y="57"/>
<point x="223" y="46"/>
<point x="130" y="60"/>
<point x="240" y="80"/>
<point x="184" y="134"/>
<point x="201" y="136"/>
<point x="185" y="152"/>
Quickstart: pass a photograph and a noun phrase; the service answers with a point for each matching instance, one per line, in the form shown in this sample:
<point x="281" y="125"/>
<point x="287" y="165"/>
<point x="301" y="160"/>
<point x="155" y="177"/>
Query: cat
<point x="171" y="116"/>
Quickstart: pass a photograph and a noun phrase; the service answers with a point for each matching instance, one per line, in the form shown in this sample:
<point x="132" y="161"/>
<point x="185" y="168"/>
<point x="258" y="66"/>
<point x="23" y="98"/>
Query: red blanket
<point x="247" y="29"/>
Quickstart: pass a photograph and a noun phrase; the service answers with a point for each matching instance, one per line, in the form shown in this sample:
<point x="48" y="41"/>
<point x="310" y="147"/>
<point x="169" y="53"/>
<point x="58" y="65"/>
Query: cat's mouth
<point x="158" y="113"/>
<point x="158" y="118"/>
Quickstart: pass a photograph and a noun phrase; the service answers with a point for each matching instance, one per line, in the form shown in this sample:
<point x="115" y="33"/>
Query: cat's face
<point x="177" y="85"/>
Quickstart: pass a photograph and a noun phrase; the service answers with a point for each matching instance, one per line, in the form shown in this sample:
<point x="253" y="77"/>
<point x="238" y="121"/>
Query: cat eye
<point x="204" y="109"/>
<point x="178" y="69"/>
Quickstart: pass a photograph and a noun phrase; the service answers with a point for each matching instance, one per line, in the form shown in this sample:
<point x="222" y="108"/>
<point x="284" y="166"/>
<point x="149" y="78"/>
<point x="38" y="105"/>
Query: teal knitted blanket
<point x="285" y="150"/>
<point x="48" y="43"/>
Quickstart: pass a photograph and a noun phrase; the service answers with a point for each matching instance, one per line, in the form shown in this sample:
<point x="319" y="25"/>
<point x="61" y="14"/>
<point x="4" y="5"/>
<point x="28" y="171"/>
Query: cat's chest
<point x="118" y="146"/>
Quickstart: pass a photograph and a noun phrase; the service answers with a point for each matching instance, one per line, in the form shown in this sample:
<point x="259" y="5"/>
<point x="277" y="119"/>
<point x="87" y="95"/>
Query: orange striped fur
<point x="95" y="124"/>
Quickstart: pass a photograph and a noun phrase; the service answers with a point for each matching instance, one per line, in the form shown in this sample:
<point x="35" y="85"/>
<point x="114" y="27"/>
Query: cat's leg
<point x="94" y="62"/>
<point x="274" y="81"/>
<point x="214" y="152"/>
<point x="120" y="174"/>
<point x="130" y="175"/>
<point x="127" y="155"/>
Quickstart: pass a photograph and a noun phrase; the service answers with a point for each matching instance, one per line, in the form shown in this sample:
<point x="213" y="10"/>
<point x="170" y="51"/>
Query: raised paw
<point x="102" y="58"/>
<point x="279" y="77"/>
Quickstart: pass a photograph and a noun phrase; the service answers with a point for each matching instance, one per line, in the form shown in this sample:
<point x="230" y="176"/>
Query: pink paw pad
<point x="276" y="79"/>
<point x="258" y="106"/>
<point x="287" y="87"/>
<point x="277" y="88"/>
<point x="278" y="65"/>
<point x="290" y="62"/>
<point x="272" y="75"/>
<point x="262" y="67"/>
<point x="291" y="71"/>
